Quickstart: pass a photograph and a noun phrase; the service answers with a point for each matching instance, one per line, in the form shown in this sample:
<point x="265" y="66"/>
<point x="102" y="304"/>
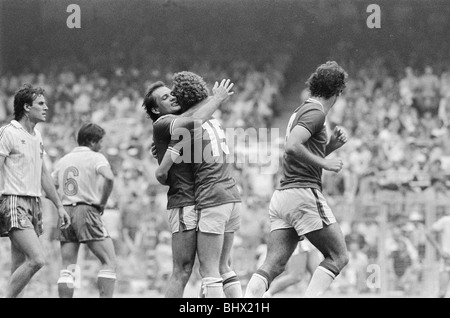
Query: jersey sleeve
<point x="100" y="161"/>
<point x="6" y="143"/>
<point x="312" y="120"/>
<point x="163" y="127"/>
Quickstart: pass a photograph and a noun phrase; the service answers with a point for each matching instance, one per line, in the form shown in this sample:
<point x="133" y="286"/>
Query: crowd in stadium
<point x="397" y="120"/>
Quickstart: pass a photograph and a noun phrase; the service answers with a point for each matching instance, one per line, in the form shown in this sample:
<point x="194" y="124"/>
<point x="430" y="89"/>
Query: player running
<point x="303" y="262"/>
<point x="77" y="176"/>
<point x="298" y="207"/>
<point x="163" y="108"/>
<point x="217" y="198"/>
<point x="22" y="176"/>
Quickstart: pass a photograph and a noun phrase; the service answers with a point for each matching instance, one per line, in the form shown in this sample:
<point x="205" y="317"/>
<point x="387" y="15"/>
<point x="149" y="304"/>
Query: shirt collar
<point x="81" y="148"/>
<point x="16" y="124"/>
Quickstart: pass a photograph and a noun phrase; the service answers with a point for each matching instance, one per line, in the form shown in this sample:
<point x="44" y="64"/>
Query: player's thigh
<point x="329" y="240"/>
<point x="69" y="253"/>
<point x="280" y="246"/>
<point x="184" y="246"/>
<point x="27" y="242"/>
<point x="103" y="250"/>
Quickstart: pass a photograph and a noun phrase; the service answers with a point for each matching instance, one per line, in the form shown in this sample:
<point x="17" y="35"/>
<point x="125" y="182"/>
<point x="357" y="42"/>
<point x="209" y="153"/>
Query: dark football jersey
<point x="214" y="183"/>
<point x="180" y="179"/>
<point x="297" y="174"/>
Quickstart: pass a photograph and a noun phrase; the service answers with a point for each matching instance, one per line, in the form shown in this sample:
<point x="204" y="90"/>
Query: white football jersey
<point x="77" y="178"/>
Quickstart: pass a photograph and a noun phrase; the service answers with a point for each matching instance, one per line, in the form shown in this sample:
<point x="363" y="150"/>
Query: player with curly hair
<point x="189" y="89"/>
<point x="217" y="198"/>
<point x="298" y="207"/>
<point x="163" y="108"/>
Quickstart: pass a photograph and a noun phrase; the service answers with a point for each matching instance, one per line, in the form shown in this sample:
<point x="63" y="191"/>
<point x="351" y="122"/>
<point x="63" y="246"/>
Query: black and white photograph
<point x="241" y="150"/>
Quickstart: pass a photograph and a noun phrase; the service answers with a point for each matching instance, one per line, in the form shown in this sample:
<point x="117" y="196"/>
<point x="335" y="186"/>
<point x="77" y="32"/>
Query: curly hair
<point x="26" y="95"/>
<point x="327" y="81"/>
<point x="189" y="89"/>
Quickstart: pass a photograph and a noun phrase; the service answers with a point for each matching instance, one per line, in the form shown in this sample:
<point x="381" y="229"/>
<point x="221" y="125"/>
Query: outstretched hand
<point x="223" y="90"/>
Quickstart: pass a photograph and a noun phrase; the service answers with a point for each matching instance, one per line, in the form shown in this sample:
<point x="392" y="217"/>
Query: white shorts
<point x="304" y="209"/>
<point x="220" y="219"/>
<point x="183" y="219"/>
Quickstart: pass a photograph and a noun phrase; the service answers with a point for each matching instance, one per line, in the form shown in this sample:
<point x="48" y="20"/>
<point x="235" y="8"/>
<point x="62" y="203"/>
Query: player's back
<point x="180" y="177"/>
<point x="77" y="176"/>
<point x="214" y="182"/>
<point x="296" y="173"/>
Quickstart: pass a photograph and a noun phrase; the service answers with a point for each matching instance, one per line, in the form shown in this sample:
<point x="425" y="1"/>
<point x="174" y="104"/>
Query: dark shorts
<point x="20" y="212"/>
<point x="85" y="225"/>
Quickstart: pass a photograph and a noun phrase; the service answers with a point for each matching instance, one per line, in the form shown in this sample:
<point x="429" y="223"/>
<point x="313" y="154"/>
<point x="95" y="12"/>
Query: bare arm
<point x="295" y="147"/>
<point x="106" y="172"/>
<point x="50" y="191"/>
<point x="206" y="108"/>
<point x="162" y="171"/>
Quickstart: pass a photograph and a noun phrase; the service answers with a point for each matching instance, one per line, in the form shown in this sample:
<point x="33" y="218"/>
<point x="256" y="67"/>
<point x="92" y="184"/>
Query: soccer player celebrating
<point x="22" y="176"/>
<point x="77" y="176"/>
<point x="163" y="108"/>
<point x="298" y="207"/>
<point x="217" y="198"/>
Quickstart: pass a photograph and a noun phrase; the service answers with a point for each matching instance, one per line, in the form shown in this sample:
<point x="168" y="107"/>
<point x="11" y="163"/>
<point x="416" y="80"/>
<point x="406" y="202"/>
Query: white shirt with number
<point x="22" y="171"/>
<point x="77" y="177"/>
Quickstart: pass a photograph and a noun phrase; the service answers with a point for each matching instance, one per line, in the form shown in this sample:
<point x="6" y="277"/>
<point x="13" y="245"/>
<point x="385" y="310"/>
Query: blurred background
<point x="395" y="180"/>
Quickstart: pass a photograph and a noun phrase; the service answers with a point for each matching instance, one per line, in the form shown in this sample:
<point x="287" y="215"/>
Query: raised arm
<point x="204" y="110"/>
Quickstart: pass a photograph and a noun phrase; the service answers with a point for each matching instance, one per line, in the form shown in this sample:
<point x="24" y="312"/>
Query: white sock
<point x="321" y="280"/>
<point x="256" y="287"/>
<point x="231" y="285"/>
<point x="212" y="287"/>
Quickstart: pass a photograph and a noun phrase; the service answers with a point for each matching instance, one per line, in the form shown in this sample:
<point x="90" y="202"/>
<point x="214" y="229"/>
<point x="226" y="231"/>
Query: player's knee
<point x="341" y="260"/>
<point x="36" y="263"/>
<point x="183" y="270"/>
<point x="335" y="265"/>
<point x="109" y="263"/>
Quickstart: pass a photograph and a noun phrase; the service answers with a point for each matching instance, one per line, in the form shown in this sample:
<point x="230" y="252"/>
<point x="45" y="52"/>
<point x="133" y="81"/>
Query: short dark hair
<point x="26" y="95"/>
<point x="150" y="100"/>
<point x="189" y="89"/>
<point x="88" y="133"/>
<point x="327" y="81"/>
